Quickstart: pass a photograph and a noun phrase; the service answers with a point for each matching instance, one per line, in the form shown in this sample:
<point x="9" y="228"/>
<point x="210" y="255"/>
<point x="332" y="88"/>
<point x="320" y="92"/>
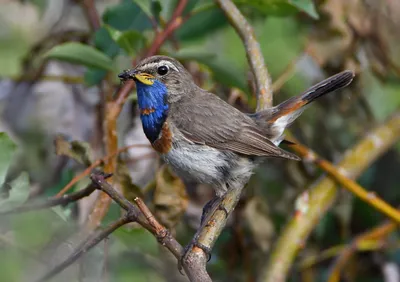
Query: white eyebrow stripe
<point x="161" y="63"/>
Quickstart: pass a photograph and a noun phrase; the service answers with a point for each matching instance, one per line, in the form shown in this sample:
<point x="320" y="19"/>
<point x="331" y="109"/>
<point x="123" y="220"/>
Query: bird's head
<point x="158" y="72"/>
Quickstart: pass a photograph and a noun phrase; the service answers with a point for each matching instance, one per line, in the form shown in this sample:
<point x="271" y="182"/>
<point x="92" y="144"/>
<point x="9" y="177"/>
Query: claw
<point x="189" y="248"/>
<point x="209" y="209"/>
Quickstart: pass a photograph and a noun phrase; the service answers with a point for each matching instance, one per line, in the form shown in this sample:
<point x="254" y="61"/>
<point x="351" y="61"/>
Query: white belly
<point x="198" y="163"/>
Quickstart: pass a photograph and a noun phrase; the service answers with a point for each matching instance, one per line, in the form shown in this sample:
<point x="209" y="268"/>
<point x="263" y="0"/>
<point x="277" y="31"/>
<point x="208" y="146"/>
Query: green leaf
<point x="281" y="7"/>
<point x="104" y="42"/>
<point x="202" y="23"/>
<point x="145" y="6"/>
<point x="306" y="6"/>
<point x="156" y="10"/>
<point x="33" y="230"/>
<point x="7" y="150"/>
<point x="131" y="41"/>
<point x="127" y="15"/>
<point x="19" y="193"/>
<point x="79" y="53"/>
<point x="151" y="8"/>
<point x="124" y="16"/>
<point x="94" y="76"/>
<point x="170" y="6"/>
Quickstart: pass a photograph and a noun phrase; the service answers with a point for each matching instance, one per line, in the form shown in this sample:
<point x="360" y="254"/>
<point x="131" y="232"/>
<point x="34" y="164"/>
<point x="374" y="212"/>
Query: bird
<point x="203" y="138"/>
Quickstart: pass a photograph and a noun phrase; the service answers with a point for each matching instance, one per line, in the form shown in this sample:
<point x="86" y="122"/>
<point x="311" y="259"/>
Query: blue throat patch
<point x="153" y="106"/>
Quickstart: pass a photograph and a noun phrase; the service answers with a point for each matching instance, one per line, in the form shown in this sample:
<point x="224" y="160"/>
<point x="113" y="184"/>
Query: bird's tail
<point x="282" y="115"/>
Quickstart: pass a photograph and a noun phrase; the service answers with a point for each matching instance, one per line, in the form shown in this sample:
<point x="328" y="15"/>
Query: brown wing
<point x="206" y="119"/>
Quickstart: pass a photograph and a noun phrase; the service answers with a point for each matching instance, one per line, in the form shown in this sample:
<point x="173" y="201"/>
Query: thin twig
<point x="167" y="240"/>
<point x="54" y="201"/>
<point x="322" y="195"/>
<point x="149" y="216"/>
<point x="195" y="271"/>
<point x="377" y="234"/>
<point x="95" y="164"/>
<point x="85" y="246"/>
<point x="253" y="52"/>
<point x="133" y="214"/>
<point x="369" y="197"/>
<point x="110" y="139"/>
<point x="287" y="74"/>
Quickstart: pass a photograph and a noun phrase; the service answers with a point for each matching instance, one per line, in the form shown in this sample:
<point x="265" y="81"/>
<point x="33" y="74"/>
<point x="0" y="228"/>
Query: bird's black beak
<point x="142" y="77"/>
<point x="127" y="74"/>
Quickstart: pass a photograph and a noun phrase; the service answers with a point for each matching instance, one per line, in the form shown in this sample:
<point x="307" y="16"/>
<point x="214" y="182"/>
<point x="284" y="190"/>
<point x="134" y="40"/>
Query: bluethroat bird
<point x="202" y="137"/>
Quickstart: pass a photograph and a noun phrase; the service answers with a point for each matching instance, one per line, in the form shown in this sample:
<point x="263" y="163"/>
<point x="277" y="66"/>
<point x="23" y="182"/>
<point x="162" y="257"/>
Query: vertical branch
<point x="322" y="195"/>
<point x="111" y="145"/>
<point x="253" y="52"/>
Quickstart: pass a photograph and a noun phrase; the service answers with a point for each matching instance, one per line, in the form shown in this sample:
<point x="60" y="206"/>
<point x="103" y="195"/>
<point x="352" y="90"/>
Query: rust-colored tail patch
<point x="326" y="86"/>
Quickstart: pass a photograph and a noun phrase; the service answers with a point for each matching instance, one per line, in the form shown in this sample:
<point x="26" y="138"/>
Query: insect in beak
<point x="144" y="78"/>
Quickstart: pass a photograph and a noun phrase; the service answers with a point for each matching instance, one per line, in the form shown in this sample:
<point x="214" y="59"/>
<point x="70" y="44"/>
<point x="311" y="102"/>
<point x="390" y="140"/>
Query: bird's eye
<point x="162" y="70"/>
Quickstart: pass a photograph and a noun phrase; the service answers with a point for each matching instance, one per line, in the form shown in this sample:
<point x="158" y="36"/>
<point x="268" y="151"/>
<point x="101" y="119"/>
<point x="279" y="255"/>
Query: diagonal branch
<point x="322" y="195"/>
<point x="85" y="246"/>
<point x="146" y="219"/>
<point x="369" y="197"/>
<point x="140" y="214"/>
<point x="378" y="233"/>
<point x="53" y="201"/>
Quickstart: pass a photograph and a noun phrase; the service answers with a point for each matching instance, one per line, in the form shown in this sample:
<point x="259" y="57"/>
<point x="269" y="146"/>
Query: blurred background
<point x="59" y="62"/>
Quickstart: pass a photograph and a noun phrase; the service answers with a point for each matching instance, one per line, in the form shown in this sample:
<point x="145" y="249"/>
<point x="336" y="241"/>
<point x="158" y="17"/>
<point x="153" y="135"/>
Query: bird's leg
<point x="209" y="209"/>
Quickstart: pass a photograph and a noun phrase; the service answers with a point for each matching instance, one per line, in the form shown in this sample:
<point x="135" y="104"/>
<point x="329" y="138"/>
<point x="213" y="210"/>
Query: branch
<point x="95" y="164"/>
<point x="369" y="197"/>
<point x="208" y="235"/>
<point x="54" y="201"/>
<point x="147" y="220"/>
<point x="377" y="234"/>
<point x="140" y="214"/>
<point x="253" y="52"/>
<point x="85" y="246"/>
<point x="323" y="193"/>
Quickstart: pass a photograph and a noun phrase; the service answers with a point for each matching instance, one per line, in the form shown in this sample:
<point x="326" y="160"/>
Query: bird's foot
<point x="209" y="208"/>
<point x="191" y="248"/>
